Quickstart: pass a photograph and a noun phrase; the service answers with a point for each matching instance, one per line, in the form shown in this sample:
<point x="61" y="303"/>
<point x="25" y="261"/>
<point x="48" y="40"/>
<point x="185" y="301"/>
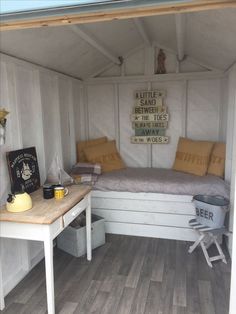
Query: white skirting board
<point x="146" y="214"/>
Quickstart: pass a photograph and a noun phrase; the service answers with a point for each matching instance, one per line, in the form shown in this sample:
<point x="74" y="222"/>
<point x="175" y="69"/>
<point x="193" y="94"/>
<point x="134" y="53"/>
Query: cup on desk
<point x="60" y="192"/>
<point x="48" y="191"/>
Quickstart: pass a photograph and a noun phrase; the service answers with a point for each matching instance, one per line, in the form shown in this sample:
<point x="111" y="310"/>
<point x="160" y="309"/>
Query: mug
<point x="60" y="192"/>
<point x="48" y="191"/>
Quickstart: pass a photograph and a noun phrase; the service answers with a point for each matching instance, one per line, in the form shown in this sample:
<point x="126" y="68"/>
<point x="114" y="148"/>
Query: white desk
<point x="44" y="222"/>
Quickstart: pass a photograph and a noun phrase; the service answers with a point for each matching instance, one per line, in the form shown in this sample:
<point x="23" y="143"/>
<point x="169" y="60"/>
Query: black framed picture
<point x="23" y="170"/>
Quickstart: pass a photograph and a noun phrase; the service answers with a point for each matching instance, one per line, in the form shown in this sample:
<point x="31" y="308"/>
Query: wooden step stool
<point x="208" y="236"/>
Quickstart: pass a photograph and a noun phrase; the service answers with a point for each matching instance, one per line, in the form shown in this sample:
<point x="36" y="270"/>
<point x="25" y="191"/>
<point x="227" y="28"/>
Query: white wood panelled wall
<point x="231" y="145"/>
<point x="231" y="153"/>
<point x="195" y="101"/>
<point x="41" y="105"/>
<point x="194" y="106"/>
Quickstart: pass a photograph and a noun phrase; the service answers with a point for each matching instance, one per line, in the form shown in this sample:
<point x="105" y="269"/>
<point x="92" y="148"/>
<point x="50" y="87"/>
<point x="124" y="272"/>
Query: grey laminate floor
<point x="128" y="275"/>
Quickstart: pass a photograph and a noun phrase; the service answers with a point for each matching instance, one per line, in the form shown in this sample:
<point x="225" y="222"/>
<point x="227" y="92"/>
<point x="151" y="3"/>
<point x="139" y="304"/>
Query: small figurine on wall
<point x="161" y="69"/>
<point x="3" y="121"/>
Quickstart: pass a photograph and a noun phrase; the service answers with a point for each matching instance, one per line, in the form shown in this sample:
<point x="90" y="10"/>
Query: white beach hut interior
<point x="71" y="83"/>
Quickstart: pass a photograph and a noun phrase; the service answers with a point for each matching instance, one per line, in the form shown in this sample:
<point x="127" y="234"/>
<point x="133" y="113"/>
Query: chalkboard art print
<point x="23" y="170"/>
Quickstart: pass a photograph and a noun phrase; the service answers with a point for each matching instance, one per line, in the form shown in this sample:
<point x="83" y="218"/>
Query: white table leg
<point x="88" y="229"/>
<point x="48" y="251"/>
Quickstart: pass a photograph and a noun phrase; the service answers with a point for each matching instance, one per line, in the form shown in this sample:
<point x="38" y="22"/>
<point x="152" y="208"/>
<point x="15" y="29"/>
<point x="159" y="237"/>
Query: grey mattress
<point x="167" y="181"/>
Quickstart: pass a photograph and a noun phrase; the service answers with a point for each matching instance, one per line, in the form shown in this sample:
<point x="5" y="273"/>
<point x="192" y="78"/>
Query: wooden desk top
<point x="46" y="211"/>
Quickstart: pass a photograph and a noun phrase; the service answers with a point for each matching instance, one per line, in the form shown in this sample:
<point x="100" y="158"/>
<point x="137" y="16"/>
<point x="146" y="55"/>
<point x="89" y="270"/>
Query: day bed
<point x="152" y="202"/>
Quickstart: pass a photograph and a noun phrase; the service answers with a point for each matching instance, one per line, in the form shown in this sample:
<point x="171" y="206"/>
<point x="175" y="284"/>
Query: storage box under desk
<point x="73" y="240"/>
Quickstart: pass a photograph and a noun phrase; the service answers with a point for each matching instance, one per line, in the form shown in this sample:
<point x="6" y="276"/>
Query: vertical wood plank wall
<point x="197" y="106"/>
<point x="232" y="141"/>
<point x="41" y="105"/>
<point x="194" y="107"/>
<point x="231" y="144"/>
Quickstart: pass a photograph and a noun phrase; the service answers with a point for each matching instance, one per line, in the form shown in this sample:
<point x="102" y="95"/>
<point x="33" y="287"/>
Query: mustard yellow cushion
<point x="106" y="155"/>
<point x="83" y="144"/>
<point x="217" y="160"/>
<point x="192" y="156"/>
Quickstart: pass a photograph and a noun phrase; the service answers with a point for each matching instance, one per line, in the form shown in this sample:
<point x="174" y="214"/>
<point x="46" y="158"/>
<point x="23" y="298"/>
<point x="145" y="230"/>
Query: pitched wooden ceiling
<point x="80" y="50"/>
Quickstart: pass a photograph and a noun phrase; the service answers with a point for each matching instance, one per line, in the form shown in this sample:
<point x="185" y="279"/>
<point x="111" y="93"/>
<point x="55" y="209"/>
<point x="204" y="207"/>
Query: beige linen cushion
<point x="217" y="160"/>
<point x="106" y="155"/>
<point x="192" y="156"/>
<point x="83" y="144"/>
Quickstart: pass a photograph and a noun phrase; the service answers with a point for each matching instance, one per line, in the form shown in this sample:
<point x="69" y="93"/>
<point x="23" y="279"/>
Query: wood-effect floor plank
<point x="137" y="264"/>
<point x="142" y="289"/>
<point x="167" y="290"/>
<point x="99" y="302"/>
<point x="179" y="297"/>
<point x="170" y="260"/>
<point x="128" y="275"/>
<point x="75" y="289"/>
<point x="193" y="300"/>
<point x="68" y="308"/>
<point x="219" y="295"/>
<point x="128" y="251"/>
<point x="206" y="297"/>
<point x="37" y="301"/>
<point x="88" y="298"/>
<point x="140" y="297"/>
<point x="159" y="259"/>
<point x="153" y="302"/>
<point x="126" y="301"/>
<point x="113" y="259"/>
<point x="115" y="294"/>
<point x="179" y="310"/>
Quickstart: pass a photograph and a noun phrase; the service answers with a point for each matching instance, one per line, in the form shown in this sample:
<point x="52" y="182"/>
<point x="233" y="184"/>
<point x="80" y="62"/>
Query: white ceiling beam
<point x="202" y="64"/>
<point x="110" y="65"/>
<point x="94" y="42"/>
<point x="100" y="70"/>
<point x="157" y="78"/>
<point x="180" y="25"/>
<point x="142" y="31"/>
<point x="29" y="65"/>
<point x="231" y="66"/>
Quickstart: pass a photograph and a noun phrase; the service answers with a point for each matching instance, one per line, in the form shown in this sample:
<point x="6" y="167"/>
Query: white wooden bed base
<point x="146" y="214"/>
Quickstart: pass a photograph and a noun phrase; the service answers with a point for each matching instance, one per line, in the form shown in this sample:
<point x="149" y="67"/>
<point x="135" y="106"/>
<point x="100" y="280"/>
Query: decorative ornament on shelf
<point x="161" y="58"/>
<point x="3" y="122"/>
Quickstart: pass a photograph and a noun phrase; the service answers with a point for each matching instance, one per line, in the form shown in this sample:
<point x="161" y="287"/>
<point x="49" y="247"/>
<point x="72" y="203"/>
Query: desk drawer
<point x="75" y="211"/>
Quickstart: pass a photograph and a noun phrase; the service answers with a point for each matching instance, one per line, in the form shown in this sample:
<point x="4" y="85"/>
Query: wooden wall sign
<point x="149" y="139"/>
<point x="149" y="125"/>
<point x="149" y="118"/>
